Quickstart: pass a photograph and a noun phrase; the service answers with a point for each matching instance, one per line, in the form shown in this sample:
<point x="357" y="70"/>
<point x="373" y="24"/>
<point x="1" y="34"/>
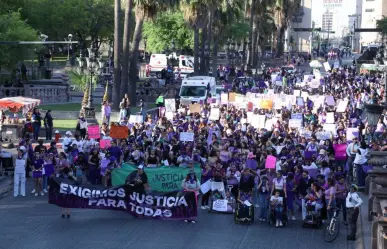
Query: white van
<point x="185" y="68"/>
<point x="157" y="63"/>
<point x="197" y="88"/>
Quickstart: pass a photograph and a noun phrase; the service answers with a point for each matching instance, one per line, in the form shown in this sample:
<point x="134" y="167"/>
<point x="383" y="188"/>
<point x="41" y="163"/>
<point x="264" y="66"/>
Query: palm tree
<point x="126" y="48"/>
<point x="196" y="15"/>
<point x="117" y="54"/>
<point x="144" y="9"/>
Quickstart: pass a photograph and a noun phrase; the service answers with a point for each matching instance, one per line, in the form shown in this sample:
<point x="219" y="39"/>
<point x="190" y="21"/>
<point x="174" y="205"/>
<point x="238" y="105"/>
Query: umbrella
<point x="315" y="63"/>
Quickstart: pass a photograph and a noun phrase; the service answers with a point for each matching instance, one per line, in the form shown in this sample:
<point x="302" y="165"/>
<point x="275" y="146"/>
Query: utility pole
<point x="312" y="38"/>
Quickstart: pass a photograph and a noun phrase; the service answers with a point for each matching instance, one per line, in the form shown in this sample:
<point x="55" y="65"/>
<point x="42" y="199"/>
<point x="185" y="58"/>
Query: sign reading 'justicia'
<point x="167" y="205"/>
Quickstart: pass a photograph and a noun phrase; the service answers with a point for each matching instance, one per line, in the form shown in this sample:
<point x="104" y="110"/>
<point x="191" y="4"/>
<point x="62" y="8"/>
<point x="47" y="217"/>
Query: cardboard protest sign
<point x="270" y="162"/>
<point x="186" y="136"/>
<point x="104" y="143"/>
<point x="330" y="118"/>
<point x="295" y="123"/>
<point x="266" y="104"/>
<point x="185" y="102"/>
<point x="342" y="105"/>
<point x="93" y="131"/>
<point x="214" y="114"/>
<point x="331" y="128"/>
<point x="66" y="194"/>
<point x="305" y="133"/>
<point x="231" y="97"/>
<point x="300" y="101"/>
<point x="117" y="131"/>
<point x="170" y="105"/>
<point x="340" y="152"/>
<point x="194" y="108"/>
<point x="169" y="116"/>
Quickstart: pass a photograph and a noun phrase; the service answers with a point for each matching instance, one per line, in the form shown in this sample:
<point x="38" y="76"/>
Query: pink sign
<point x="93" y="131"/>
<point x="104" y="143"/>
<point x="340" y="151"/>
<point x="270" y="162"/>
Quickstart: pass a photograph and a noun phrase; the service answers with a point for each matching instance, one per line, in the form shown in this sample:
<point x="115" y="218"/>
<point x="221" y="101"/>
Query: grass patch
<point x="62" y="107"/>
<point x="62" y="124"/>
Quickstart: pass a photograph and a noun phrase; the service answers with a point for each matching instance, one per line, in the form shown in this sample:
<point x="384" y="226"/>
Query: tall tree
<point x="144" y="9"/>
<point x="249" y="57"/>
<point x="126" y="48"/>
<point x="117" y="55"/>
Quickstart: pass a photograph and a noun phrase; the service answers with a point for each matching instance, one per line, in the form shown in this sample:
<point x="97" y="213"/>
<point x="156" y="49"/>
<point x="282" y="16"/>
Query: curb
<point x="359" y="243"/>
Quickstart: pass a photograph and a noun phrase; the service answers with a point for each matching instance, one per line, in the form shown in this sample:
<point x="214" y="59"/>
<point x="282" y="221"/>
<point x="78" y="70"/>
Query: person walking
<point x="20" y="173"/>
<point x="48" y="125"/>
<point x="353" y="202"/>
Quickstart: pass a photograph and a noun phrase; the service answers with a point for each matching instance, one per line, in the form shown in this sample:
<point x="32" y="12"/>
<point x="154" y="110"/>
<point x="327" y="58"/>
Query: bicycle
<point x="332" y="229"/>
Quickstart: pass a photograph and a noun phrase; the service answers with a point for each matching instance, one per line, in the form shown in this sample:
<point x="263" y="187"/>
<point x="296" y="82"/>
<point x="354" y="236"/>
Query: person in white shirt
<point x="309" y="165"/>
<point x="78" y="142"/>
<point x="351" y="153"/>
<point x="353" y="202"/>
<point x="67" y="141"/>
<point x="360" y="158"/>
<point x="277" y="204"/>
<point x="282" y="164"/>
<point x="20" y="173"/>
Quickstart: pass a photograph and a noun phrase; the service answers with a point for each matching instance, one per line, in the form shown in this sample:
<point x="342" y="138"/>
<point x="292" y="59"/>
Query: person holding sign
<point x="191" y="184"/>
<point x="138" y="180"/>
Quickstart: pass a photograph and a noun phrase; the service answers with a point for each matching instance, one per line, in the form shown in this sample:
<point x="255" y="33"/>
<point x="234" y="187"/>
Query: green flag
<point x="162" y="179"/>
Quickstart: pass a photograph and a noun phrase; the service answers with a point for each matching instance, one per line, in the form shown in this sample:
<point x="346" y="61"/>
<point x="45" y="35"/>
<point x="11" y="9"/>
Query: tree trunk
<point x="256" y="50"/>
<point x="133" y="72"/>
<point x="253" y="61"/>
<point x="196" y="50"/>
<point x="202" y="51"/>
<point x="215" y="59"/>
<point x="250" y="52"/>
<point x="279" y="42"/>
<point x="209" y="39"/>
<point x="126" y="49"/>
<point x="117" y="54"/>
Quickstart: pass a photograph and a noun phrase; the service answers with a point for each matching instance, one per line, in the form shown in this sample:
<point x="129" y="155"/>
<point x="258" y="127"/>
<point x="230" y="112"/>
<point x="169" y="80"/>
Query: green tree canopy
<point x="85" y="20"/>
<point x="382" y="24"/>
<point x="168" y="26"/>
<point x="13" y="28"/>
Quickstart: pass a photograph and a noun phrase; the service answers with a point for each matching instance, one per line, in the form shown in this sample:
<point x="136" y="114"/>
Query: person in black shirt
<point x="48" y="125"/>
<point x="138" y="179"/>
<point x="40" y="148"/>
<point x="53" y="149"/>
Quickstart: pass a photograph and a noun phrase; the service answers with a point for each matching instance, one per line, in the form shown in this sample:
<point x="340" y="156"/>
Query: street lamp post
<point x="93" y="66"/>
<point x="69" y="38"/>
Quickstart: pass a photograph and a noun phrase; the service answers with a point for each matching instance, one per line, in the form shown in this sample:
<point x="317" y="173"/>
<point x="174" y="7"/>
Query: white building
<point x="372" y="10"/>
<point x="301" y="39"/>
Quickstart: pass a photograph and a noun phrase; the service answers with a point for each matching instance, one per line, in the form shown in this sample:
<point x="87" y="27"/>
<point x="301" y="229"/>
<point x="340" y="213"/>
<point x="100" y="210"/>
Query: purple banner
<point x="174" y="205"/>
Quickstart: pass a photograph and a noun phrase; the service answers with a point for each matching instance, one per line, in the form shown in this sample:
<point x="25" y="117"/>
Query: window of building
<point x="369" y="10"/>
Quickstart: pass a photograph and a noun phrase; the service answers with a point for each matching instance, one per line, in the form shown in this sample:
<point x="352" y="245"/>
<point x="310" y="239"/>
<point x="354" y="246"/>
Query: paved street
<point x="32" y="223"/>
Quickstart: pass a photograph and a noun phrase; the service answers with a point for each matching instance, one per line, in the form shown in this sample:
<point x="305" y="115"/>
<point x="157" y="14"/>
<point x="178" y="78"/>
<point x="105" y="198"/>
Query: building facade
<point x="372" y="10"/>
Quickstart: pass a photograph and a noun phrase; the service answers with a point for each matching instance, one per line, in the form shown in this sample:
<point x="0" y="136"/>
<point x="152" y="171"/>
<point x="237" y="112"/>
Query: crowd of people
<point x="234" y="152"/>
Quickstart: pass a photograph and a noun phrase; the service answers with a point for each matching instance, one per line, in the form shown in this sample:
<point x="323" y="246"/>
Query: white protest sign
<point x="342" y="105"/>
<point x="278" y="83"/>
<point x="330" y="118"/>
<point x="136" y="119"/>
<point x="224" y="98"/>
<point x="297" y="93"/>
<point x="315" y="83"/>
<point x="336" y="64"/>
<point x="250" y="116"/>
<point x="352" y="133"/>
<point x="330" y="100"/>
<point x="305" y="133"/>
<point x="205" y="187"/>
<point x="304" y="95"/>
<point x="300" y="101"/>
<point x="220" y="205"/>
<point x="297" y="116"/>
<point x="331" y="128"/>
<point x="170" y="105"/>
<point x="169" y="116"/>
<point x="323" y="135"/>
<point x="214" y="114"/>
<point x="295" y="123"/>
<point x="327" y="67"/>
<point x="308" y="78"/>
<point x="261" y="121"/>
<point x="186" y="136"/>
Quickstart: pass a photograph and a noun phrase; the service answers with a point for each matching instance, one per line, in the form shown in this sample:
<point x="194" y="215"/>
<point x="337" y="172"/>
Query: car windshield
<point x="193" y="91"/>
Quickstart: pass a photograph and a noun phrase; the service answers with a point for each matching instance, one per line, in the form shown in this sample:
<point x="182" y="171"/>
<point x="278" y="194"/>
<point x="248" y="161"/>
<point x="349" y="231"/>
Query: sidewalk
<point x="363" y="235"/>
<point x="6" y="183"/>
